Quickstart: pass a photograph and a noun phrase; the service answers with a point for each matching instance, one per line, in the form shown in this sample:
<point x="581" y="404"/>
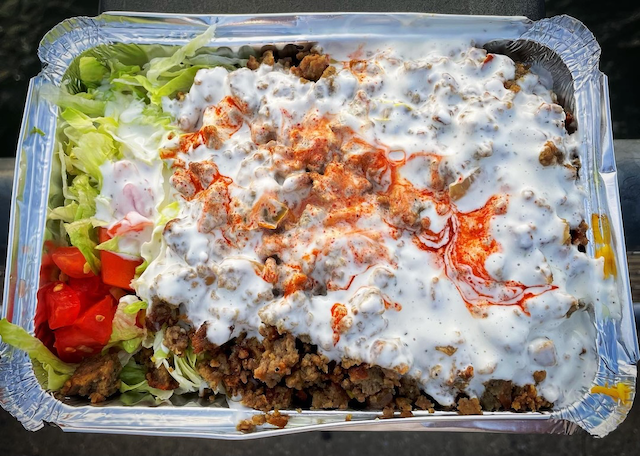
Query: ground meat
<point x="504" y="395"/>
<point x="539" y="376"/>
<point x="252" y="64"/>
<point x="497" y="395"/>
<point x="266" y="399"/>
<point x="448" y="350"/>
<point x="176" y="339"/>
<point x="267" y="58"/>
<point x="96" y="378"/>
<point x="469" y="406"/>
<point x="200" y="342"/>
<point x="579" y="235"/>
<point x="425" y="404"/>
<point x="329" y="396"/>
<point x="159" y="377"/>
<point x="521" y="70"/>
<point x="371" y="382"/>
<point x="550" y="154"/>
<point x="526" y="398"/>
<point x="569" y="122"/>
<point x="279" y="357"/>
<point x="281" y="372"/>
<point x="312" y="67"/>
<point x="404" y="405"/>
<point x="311" y="371"/>
<point x="246" y="426"/>
<point x="161" y="313"/>
<point x="277" y="419"/>
<point x="387" y="412"/>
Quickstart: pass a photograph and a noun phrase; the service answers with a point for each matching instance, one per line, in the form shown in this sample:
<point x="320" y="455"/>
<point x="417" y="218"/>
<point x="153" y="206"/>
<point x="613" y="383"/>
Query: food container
<point x="560" y="48"/>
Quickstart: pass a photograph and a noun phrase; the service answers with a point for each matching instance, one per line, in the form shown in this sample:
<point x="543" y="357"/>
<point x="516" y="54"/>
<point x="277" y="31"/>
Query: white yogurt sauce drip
<point x="450" y="103"/>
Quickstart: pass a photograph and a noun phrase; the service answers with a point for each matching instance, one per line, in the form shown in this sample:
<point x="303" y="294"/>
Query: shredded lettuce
<point x="83" y="101"/>
<point x="50" y="371"/>
<point x="134" y="388"/>
<point x="124" y="331"/>
<point x="160" y="65"/>
<point x="160" y="352"/>
<point x="92" y="72"/>
<point x="110" y="245"/>
<point x="140" y="269"/>
<point x="81" y="234"/>
<point x="84" y="194"/>
<point x="185" y="373"/>
<point x="36" y="130"/>
<point x="135" y="307"/>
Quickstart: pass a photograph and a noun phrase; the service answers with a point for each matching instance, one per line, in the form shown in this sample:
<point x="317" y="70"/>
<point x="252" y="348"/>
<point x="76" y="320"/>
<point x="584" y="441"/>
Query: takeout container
<point x="560" y="47"/>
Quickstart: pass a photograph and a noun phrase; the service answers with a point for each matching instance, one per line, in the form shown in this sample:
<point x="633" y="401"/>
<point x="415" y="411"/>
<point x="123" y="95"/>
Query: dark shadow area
<point x="617" y="28"/>
<point x="22" y="25"/>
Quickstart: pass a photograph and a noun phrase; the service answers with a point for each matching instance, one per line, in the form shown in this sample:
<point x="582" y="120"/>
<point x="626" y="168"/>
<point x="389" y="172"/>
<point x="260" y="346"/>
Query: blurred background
<point x="24" y="22"/>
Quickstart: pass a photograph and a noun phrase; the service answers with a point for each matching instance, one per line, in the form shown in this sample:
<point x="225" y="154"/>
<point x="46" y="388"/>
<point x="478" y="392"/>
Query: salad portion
<point x="388" y="228"/>
<point x="89" y="322"/>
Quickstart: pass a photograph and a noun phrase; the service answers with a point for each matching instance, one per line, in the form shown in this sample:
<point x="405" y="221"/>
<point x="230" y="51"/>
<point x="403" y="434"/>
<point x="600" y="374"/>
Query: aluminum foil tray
<point x="561" y="46"/>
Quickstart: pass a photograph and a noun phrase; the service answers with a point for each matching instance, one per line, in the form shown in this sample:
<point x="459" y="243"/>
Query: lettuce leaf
<point x="91" y="151"/>
<point x="110" y="245"/>
<point x="81" y="234"/>
<point x="124" y="330"/>
<point x="185" y="373"/>
<point x="135" y="307"/>
<point x="50" y="371"/>
<point x="83" y="102"/>
<point x="85" y="194"/>
<point x="134" y="388"/>
<point x="92" y="72"/>
<point x="159" y="65"/>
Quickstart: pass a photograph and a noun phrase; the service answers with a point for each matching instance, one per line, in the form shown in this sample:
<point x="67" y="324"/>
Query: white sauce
<point x="445" y="103"/>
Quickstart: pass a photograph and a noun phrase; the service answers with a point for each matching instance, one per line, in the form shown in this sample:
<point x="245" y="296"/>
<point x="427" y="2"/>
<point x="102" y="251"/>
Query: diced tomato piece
<point x="89" y="334"/>
<point x="90" y="290"/>
<point x="97" y="320"/>
<point x="73" y="345"/>
<point x="141" y="317"/>
<point x="41" y="320"/>
<point x="131" y="222"/>
<point x="117" y="270"/>
<point x="72" y="262"/>
<point x="48" y="269"/>
<point x="64" y="305"/>
<point x="103" y="236"/>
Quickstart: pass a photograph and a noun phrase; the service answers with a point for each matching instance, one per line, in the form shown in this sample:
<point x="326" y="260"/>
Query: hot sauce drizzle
<point x="352" y="179"/>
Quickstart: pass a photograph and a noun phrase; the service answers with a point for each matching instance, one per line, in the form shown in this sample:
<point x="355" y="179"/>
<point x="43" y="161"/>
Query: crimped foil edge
<point x="594" y="413"/>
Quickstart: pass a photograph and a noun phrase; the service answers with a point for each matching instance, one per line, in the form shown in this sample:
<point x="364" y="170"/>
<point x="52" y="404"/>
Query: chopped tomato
<point x="41" y="320"/>
<point x="48" y="269"/>
<point x="90" y="290"/>
<point x="97" y="320"/>
<point x="73" y="345"/>
<point x="64" y="305"/>
<point x="72" y="262"/>
<point x="88" y="334"/>
<point x="131" y="222"/>
<point x="141" y="318"/>
<point x="117" y="270"/>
